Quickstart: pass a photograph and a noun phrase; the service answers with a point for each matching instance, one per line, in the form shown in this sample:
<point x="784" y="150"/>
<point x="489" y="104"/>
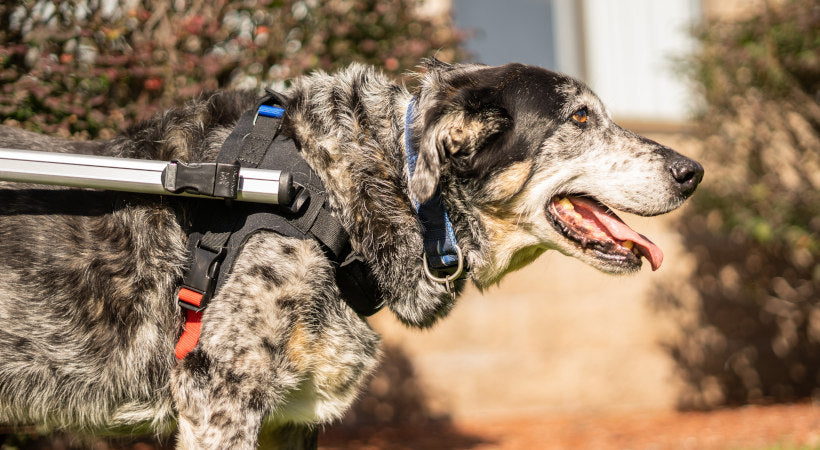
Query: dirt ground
<point x="775" y="427"/>
<point x="751" y="427"/>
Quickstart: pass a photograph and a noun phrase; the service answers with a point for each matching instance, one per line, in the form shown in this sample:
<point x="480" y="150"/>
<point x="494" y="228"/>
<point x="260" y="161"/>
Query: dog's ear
<point x="455" y="136"/>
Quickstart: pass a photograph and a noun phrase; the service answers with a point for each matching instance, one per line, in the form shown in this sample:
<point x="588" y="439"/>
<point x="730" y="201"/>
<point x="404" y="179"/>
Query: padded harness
<point x="219" y="230"/>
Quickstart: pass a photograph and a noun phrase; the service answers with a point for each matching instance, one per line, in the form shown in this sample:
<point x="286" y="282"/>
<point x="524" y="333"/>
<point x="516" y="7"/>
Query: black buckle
<point x="201" y="276"/>
<point x="211" y="179"/>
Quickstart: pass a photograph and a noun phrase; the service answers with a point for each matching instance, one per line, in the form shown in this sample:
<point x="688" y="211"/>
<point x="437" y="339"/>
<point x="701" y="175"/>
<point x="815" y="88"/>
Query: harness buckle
<point x="210" y="179"/>
<point x="199" y="280"/>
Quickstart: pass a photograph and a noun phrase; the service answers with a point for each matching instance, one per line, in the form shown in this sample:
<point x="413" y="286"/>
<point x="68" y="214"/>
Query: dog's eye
<point x="581" y="115"/>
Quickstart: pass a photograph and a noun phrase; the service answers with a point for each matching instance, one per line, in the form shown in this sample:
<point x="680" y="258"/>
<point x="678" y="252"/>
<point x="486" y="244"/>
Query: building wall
<point x="623" y="49"/>
<point x="631" y="48"/>
<point x="508" y="31"/>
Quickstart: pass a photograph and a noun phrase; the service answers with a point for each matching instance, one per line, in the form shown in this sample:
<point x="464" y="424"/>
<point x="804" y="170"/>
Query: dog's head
<point x="536" y="157"/>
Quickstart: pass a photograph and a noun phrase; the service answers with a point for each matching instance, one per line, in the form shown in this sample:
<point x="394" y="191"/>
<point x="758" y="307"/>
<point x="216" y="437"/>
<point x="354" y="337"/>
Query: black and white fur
<point x="87" y="278"/>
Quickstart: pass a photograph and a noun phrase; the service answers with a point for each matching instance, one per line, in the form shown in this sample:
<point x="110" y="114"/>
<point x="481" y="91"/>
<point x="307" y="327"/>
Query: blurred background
<point x="718" y="349"/>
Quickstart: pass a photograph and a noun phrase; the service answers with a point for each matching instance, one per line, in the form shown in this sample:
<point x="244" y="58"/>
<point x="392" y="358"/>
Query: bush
<point x="89" y="68"/>
<point x="752" y="333"/>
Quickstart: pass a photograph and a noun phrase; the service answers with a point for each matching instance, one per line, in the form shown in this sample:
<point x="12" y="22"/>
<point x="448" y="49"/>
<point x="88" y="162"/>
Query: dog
<point x="525" y="160"/>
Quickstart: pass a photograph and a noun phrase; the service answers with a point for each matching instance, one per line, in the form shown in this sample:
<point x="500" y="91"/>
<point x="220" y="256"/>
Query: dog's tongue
<point x="616" y="228"/>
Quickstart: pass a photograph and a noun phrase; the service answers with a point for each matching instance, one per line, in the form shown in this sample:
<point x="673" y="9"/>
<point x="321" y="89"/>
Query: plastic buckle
<point x="199" y="280"/>
<point x="211" y="179"/>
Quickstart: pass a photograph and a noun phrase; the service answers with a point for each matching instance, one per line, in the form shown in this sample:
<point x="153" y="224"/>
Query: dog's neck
<point x="351" y="128"/>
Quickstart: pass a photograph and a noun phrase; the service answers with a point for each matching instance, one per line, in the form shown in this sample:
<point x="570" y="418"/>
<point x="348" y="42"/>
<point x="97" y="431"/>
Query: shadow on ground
<point x="66" y="441"/>
<point x="392" y="412"/>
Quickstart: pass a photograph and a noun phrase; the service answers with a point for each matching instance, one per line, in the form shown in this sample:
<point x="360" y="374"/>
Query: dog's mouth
<point x="594" y="228"/>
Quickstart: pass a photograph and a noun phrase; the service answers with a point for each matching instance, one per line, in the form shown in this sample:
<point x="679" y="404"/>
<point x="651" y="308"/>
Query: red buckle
<point x="190" y="299"/>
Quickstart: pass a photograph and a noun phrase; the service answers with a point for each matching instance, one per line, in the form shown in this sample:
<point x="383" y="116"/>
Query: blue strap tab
<point x="271" y="111"/>
<point x="439" y="238"/>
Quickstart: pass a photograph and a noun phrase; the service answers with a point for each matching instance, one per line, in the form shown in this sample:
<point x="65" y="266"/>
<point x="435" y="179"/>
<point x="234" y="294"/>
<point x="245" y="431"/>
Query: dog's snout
<point x="686" y="173"/>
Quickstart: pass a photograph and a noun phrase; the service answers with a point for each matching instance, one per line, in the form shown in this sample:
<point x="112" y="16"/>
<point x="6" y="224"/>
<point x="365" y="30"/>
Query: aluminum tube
<point x="119" y="174"/>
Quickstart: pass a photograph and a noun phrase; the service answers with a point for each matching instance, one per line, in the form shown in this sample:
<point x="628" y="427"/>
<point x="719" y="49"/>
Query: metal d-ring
<point x="448" y="280"/>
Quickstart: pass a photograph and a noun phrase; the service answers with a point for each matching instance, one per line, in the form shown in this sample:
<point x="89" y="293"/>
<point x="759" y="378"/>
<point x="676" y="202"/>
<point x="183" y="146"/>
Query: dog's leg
<point x="218" y="410"/>
<point x="213" y="413"/>
<point x="276" y="340"/>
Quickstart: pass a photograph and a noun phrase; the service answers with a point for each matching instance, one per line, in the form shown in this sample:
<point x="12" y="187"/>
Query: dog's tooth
<point x="564" y="202"/>
<point x="628" y="244"/>
<point x="597" y="233"/>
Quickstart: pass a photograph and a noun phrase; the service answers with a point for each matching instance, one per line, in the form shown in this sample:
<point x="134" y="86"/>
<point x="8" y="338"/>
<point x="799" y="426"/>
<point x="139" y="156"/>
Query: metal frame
<point x="121" y="174"/>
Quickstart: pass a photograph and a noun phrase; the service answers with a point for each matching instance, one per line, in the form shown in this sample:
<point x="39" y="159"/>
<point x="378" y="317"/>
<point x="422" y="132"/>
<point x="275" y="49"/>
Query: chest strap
<point x="220" y="229"/>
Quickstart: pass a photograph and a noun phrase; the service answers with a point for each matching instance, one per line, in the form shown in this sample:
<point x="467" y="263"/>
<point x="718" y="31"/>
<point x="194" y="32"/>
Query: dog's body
<point x="87" y="279"/>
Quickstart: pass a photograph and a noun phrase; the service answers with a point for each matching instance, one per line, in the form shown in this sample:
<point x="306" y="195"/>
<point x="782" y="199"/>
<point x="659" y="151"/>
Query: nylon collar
<point x="440" y="245"/>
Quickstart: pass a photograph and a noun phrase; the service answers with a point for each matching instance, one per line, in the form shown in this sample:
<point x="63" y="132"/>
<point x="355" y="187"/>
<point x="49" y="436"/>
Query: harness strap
<point x="190" y="334"/>
<point x="265" y="130"/>
<point x="198" y="286"/>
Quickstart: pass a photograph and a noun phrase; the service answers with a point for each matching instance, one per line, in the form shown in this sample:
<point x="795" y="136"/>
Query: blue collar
<point x="441" y="249"/>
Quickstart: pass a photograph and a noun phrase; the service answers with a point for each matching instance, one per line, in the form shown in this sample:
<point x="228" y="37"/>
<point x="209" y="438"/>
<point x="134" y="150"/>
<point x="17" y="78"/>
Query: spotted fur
<point x="87" y="278"/>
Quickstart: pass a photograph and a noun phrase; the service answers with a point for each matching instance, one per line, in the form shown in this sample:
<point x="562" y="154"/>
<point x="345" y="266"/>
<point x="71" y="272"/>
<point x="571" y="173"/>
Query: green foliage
<point x="761" y="81"/>
<point x="86" y="68"/>
<point x="754" y="224"/>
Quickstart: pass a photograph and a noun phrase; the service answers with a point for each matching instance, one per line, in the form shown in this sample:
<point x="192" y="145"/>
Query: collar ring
<point x="446" y="280"/>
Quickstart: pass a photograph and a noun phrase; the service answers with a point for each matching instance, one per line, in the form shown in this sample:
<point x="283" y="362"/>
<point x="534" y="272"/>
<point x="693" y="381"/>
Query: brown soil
<point x="778" y="427"/>
<point x="753" y="427"/>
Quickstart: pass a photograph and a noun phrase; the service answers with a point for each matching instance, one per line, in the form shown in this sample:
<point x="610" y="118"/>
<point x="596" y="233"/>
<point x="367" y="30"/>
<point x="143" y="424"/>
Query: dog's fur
<point x="87" y="278"/>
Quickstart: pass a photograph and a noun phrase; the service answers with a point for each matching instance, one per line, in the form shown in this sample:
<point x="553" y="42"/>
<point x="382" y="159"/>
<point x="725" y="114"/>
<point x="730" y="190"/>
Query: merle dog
<point x="525" y="160"/>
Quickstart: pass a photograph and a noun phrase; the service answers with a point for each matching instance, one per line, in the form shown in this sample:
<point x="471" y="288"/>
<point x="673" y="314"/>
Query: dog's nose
<point x="686" y="172"/>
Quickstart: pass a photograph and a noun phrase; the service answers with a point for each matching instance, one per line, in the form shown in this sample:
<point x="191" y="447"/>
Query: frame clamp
<point x="211" y="179"/>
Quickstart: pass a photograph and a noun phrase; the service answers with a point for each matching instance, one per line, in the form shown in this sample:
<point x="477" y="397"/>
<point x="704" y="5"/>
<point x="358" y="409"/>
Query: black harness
<point x="220" y="229"/>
